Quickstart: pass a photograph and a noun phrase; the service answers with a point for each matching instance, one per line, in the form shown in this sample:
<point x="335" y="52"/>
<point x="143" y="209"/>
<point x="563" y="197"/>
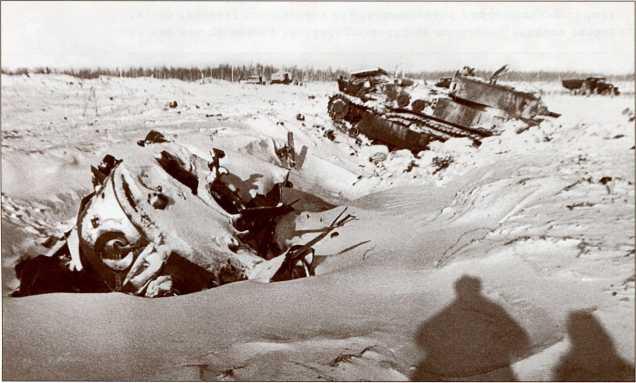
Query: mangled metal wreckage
<point x="165" y="221"/>
<point x="402" y="113"/>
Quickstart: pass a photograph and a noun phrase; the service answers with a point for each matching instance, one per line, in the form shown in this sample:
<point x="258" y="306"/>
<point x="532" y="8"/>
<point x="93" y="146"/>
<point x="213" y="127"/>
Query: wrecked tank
<point x="590" y="85"/>
<point x="163" y="220"/>
<point x="444" y="82"/>
<point x="382" y="108"/>
<point x="284" y="78"/>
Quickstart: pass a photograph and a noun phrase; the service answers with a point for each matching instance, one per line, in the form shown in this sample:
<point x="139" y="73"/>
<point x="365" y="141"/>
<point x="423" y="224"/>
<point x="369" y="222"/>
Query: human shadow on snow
<point x="592" y="356"/>
<point x="473" y="338"/>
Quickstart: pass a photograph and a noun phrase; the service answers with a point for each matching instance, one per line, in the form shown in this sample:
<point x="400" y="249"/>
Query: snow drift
<point x="528" y="239"/>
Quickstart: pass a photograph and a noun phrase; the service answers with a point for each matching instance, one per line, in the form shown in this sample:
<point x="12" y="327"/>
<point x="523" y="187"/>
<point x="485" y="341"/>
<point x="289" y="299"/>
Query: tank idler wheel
<point x="338" y="109"/>
<point x="354" y="131"/>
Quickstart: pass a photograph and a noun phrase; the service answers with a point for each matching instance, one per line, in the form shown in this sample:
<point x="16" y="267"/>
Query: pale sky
<point x="597" y="37"/>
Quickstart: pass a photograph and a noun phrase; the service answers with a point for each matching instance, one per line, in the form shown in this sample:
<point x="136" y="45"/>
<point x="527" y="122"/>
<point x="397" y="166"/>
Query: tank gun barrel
<point x="499" y="72"/>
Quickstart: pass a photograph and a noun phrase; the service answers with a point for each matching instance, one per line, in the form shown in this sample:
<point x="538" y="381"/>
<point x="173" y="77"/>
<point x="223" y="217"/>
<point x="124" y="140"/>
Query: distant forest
<point x="242" y="72"/>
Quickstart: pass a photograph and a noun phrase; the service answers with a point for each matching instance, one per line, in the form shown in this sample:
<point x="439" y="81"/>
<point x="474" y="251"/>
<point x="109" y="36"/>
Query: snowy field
<point x="514" y="261"/>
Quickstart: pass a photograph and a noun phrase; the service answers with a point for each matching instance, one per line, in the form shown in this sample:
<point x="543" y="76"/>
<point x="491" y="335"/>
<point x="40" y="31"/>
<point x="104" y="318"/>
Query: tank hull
<point x="467" y="115"/>
<point x="381" y="107"/>
<point x="399" y="128"/>
<point x="514" y="103"/>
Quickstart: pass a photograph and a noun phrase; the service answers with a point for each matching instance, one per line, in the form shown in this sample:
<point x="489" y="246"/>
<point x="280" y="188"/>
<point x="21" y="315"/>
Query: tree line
<point x="242" y="72"/>
<point x="221" y="72"/>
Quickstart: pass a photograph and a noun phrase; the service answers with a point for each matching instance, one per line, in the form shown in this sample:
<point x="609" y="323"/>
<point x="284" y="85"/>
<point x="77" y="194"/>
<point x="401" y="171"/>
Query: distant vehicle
<point x="444" y="82"/>
<point x="281" y="78"/>
<point x="590" y="85"/>
<point x="253" y="79"/>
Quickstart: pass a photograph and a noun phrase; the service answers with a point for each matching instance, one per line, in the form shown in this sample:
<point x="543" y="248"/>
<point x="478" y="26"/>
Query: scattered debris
<point x="103" y="169"/>
<point x="606" y="180"/>
<point x="578" y="182"/>
<point x="579" y="204"/>
<point x="158" y="200"/>
<point x="330" y="134"/>
<point x="377" y="158"/>
<point x="348" y="357"/>
<point x="295" y="262"/>
<point x="441" y="163"/>
<point x="153" y="137"/>
<point x="412" y="165"/>
<point x="288" y="156"/>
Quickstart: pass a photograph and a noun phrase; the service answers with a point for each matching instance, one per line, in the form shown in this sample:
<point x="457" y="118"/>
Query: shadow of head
<point x="592" y="355"/>
<point x="586" y="331"/>
<point x="467" y="287"/>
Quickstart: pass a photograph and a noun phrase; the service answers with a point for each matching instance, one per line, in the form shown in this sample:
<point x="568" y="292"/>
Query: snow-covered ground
<point x="515" y="260"/>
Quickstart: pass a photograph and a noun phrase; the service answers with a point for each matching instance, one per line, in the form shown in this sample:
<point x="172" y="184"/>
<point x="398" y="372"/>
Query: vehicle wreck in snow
<point x="382" y="108"/>
<point x="284" y="78"/>
<point x="591" y="85"/>
<point x="166" y="221"/>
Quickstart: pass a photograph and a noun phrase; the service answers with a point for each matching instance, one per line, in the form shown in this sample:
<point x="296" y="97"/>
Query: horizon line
<point x="295" y="66"/>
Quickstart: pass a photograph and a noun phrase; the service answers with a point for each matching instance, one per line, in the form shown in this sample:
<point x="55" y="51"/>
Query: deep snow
<point x="532" y="215"/>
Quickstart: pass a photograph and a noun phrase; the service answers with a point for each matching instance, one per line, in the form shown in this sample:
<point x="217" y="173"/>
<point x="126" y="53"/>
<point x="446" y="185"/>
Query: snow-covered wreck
<point x="166" y="221"/>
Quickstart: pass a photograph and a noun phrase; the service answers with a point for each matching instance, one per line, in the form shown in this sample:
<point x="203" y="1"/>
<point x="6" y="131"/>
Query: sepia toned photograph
<point x="318" y="191"/>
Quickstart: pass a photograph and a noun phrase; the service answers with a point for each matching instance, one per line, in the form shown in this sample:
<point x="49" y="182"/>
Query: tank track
<point x="427" y="127"/>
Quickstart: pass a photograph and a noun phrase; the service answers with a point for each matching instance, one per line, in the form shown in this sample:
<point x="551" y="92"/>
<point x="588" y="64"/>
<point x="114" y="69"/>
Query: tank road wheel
<point x="338" y="108"/>
<point x="403" y="99"/>
<point x="418" y="105"/>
